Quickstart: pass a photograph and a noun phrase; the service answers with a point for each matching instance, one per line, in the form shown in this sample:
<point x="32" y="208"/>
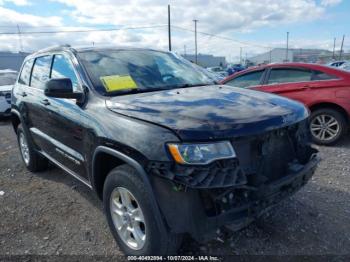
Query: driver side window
<point x="63" y="68"/>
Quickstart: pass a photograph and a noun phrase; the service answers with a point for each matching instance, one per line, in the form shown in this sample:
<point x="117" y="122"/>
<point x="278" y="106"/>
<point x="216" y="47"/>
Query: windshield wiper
<point x="188" y="85"/>
<point x="134" y="91"/>
<point x="146" y="90"/>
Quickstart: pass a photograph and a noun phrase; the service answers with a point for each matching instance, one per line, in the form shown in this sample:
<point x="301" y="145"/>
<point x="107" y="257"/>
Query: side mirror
<point x="61" y="88"/>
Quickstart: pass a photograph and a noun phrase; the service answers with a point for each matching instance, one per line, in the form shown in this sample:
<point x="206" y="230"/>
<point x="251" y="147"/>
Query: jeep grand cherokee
<point x="167" y="150"/>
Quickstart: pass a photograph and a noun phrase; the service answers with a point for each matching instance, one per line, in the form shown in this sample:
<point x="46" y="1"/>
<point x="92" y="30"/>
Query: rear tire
<point x="155" y="237"/>
<point x="327" y="126"/>
<point x="31" y="158"/>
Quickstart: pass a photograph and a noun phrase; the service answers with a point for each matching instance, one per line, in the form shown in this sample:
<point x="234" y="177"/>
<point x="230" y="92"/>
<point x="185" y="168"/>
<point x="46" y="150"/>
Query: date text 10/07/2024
<point x="173" y="258"/>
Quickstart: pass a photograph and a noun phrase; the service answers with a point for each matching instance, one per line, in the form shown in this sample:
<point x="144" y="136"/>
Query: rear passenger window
<point x="289" y="75"/>
<point x="318" y="75"/>
<point x="24" y="78"/>
<point x="41" y="72"/>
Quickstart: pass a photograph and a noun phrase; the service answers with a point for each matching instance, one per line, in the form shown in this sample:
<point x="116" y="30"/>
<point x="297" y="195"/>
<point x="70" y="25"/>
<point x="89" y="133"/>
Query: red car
<point x="324" y="90"/>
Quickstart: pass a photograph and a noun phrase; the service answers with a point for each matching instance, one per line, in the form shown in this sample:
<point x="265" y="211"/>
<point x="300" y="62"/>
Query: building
<point x="9" y="60"/>
<point x="207" y="60"/>
<point x="278" y="55"/>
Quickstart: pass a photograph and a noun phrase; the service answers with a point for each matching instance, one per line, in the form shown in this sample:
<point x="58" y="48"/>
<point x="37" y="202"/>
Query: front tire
<point x="132" y="217"/>
<point x="327" y="126"/>
<point x="31" y="158"/>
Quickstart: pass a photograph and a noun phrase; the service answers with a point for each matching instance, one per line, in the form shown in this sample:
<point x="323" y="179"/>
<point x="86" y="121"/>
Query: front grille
<point x="276" y="153"/>
<point x="267" y="157"/>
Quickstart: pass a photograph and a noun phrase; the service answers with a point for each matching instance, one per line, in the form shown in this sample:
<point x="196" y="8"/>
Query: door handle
<point x="45" y="102"/>
<point x="304" y="87"/>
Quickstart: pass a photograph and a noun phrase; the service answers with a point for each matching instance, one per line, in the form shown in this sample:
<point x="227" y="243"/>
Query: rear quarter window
<point x="318" y="75"/>
<point x="24" y="77"/>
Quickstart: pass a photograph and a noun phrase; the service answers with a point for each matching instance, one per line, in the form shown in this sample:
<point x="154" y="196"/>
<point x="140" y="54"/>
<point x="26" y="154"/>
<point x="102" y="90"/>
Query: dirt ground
<point x="50" y="213"/>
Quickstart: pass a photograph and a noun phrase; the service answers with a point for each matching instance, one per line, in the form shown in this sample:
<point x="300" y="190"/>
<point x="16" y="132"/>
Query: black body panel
<point x="267" y="132"/>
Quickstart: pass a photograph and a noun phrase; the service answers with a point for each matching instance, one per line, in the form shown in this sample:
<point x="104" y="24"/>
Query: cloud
<point x="223" y="17"/>
<point x="216" y="16"/>
<point x="16" y="2"/>
<point x="330" y="2"/>
<point x="9" y="17"/>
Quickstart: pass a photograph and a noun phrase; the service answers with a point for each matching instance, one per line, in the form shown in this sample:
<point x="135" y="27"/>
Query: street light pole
<point x="335" y="39"/>
<point x="341" y="48"/>
<point x="287" y="47"/>
<point x="19" y="39"/>
<point x="169" y="28"/>
<point x="240" y="55"/>
<point x="195" y="40"/>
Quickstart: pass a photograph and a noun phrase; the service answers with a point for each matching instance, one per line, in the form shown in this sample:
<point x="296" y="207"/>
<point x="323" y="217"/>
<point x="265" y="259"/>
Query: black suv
<point x="167" y="149"/>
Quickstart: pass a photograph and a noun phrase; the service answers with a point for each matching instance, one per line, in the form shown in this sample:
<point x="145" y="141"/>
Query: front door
<point x="65" y="126"/>
<point x="250" y="79"/>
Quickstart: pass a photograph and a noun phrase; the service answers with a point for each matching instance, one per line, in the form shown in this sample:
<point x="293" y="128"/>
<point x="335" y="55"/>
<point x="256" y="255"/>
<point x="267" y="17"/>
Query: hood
<point x="7" y="88"/>
<point x="210" y="112"/>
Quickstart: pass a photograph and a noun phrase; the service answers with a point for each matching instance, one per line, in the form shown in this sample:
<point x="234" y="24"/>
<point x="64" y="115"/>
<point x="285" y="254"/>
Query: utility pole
<point x="240" y="55"/>
<point x="19" y="38"/>
<point x="341" y="48"/>
<point x="287" y="47"/>
<point x="195" y="40"/>
<point x="169" y="28"/>
<point x="333" y="56"/>
<point x="184" y="50"/>
<point x="270" y="55"/>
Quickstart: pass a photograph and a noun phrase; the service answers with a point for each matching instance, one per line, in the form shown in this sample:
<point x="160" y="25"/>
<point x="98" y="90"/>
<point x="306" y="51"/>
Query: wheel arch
<point x="104" y="160"/>
<point x="97" y="180"/>
<point x="333" y="106"/>
<point x="15" y="119"/>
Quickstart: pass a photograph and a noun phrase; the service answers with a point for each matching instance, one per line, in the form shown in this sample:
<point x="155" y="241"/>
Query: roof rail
<point x="53" y="48"/>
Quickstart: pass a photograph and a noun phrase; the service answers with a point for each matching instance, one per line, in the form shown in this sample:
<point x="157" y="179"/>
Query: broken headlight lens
<point x="201" y="154"/>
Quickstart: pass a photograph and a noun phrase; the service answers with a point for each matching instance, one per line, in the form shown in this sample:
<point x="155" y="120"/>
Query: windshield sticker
<point x="118" y="82"/>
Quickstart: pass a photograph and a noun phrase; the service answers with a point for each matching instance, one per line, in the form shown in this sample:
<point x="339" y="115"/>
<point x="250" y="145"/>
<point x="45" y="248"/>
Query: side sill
<point x="66" y="169"/>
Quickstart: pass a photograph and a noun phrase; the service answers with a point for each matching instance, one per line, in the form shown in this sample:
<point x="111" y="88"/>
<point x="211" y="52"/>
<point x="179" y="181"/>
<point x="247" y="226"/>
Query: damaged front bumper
<point x="201" y="212"/>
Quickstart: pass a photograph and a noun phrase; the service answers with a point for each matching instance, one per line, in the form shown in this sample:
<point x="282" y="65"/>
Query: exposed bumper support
<point x="186" y="210"/>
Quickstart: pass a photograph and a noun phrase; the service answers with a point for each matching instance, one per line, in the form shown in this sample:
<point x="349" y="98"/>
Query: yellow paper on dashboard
<point x="118" y="82"/>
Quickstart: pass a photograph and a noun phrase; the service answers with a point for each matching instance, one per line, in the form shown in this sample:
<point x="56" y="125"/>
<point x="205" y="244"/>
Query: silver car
<point x="7" y="79"/>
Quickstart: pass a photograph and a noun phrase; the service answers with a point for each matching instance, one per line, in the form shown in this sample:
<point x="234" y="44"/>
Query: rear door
<point x="292" y="82"/>
<point x="20" y="89"/>
<point x="39" y="117"/>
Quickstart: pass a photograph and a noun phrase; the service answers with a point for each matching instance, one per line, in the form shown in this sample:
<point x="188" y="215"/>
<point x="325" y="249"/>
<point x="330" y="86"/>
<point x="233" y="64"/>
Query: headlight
<point x="201" y="154"/>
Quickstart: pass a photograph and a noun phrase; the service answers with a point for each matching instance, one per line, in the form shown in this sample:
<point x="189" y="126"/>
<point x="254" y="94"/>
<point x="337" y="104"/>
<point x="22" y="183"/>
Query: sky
<point x="225" y="27"/>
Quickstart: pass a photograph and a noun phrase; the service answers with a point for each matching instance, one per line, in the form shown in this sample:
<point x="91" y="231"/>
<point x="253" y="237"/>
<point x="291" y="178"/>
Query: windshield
<point x="114" y="72"/>
<point x="7" y="78"/>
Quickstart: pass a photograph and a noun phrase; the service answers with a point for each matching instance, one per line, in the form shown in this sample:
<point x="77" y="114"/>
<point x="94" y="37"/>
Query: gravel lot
<point x="51" y="213"/>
